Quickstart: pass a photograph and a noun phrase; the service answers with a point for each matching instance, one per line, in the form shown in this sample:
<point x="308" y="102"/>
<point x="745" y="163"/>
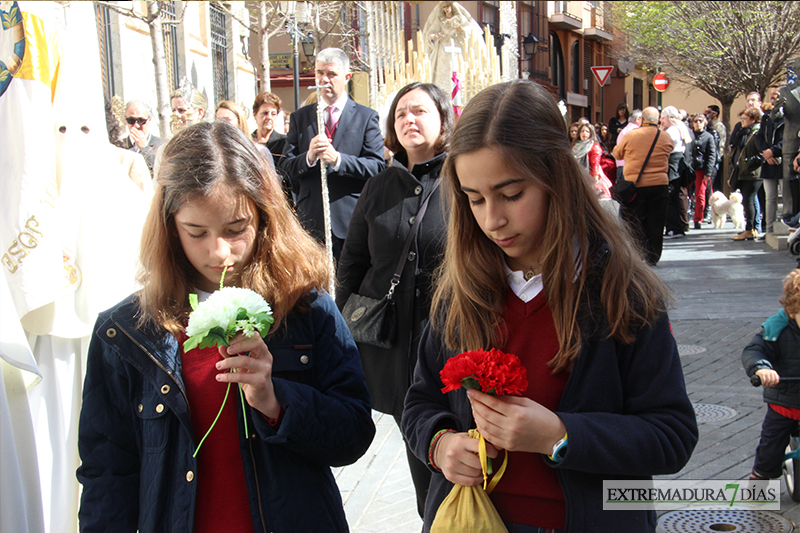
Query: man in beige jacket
<point x="647" y="212"/>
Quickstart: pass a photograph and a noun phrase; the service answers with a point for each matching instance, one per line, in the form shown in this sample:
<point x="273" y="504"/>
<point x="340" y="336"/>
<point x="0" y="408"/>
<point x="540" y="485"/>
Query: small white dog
<point x="721" y="206"/>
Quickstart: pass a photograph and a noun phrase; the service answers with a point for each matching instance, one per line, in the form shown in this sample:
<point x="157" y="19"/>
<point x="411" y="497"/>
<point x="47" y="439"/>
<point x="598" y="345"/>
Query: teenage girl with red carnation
<point x="535" y="267"/>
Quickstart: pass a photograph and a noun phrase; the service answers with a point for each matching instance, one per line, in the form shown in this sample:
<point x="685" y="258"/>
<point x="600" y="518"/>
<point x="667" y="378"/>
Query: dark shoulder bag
<point x="374" y="321"/>
<point x="624" y="191"/>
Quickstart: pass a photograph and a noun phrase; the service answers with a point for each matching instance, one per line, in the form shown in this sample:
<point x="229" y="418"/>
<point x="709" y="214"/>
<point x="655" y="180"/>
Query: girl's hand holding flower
<point x="251" y="362"/>
<point x="515" y="423"/>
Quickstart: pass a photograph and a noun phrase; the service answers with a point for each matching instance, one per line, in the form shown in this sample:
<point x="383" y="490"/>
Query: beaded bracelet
<point x="434" y="441"/>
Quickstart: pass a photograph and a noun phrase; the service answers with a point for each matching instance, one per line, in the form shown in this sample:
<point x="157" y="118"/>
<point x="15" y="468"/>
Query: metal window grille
<point x="103" y="17"/>
<point x="557" y="65"/>
<point x="575" y="64"/>
<point x="534" y="22"/>
<point x="491" y="16"/>
<point x="219" y="53"/>
<point x="638" y="90"/>
<point x="170" y="44"/>
<point x="588" y="61"/>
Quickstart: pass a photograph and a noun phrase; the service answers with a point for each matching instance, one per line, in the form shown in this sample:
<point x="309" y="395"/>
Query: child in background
<point x="534" y="266"/>
<point x="773" y="353"/>
<point x="147" y="402"/>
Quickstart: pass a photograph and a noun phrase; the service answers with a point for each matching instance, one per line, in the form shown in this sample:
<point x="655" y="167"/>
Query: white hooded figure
<point x="448" y="25"/>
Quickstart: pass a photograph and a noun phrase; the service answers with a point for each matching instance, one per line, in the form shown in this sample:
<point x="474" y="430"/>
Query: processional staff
<point x="326" y="201"/>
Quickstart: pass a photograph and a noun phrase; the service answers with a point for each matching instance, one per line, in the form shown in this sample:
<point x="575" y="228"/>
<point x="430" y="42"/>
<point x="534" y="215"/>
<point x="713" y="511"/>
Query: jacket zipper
<point x="255" y="474"/>
<point x="183" y="392"/>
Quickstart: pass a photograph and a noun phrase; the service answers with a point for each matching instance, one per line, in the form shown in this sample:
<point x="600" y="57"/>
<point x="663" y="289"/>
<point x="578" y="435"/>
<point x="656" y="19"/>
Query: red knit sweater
<point x="222" y="499"/>
<point x="529" y="492"/>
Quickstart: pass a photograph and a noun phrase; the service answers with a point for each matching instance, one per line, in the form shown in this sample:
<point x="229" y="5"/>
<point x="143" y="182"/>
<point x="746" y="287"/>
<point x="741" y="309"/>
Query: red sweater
<point x="529" y="492"/>
<point x="222" y="499"/>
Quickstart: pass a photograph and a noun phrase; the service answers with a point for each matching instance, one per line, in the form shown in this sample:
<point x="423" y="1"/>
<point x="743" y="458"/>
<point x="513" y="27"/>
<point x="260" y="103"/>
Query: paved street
<point x="722" y="291"/>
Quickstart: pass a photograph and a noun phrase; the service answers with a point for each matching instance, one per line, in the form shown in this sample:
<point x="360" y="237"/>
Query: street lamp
<point x="530" y="44"/>
<point x="308" y="46"/>
<point x="297" y="16"/>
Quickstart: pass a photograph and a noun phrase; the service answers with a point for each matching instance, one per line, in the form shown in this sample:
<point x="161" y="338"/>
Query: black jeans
<point x="775" y="432"/>
<point x="646" y="215"/>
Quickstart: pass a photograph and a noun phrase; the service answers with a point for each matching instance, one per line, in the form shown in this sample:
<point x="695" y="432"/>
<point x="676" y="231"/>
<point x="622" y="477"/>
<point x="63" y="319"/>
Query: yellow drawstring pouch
<point x="469" y="509"/>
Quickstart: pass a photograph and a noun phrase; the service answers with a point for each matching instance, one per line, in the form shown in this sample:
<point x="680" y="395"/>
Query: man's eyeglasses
<point x="136" y="120"/>
<point x="697" y="120"/>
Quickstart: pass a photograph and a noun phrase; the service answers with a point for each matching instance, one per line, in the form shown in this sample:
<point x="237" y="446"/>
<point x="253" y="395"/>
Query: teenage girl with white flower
<point x="534" y="266"/>
<point x="147" y="402"/>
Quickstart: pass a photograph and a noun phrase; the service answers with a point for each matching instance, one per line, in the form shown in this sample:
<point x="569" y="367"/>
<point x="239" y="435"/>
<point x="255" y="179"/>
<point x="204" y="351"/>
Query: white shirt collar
<point x="528" y="290"/>
<point x="525" y="290"/>
<point x="339" y="104"/>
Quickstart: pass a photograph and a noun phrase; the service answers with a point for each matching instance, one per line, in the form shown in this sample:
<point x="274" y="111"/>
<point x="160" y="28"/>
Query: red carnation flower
<point x="493" y="372"/>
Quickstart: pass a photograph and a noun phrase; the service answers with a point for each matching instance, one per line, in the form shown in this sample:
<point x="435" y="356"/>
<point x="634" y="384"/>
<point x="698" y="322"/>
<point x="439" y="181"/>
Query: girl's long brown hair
<point x="213" y="158"/>
<point x="521" y="120"/>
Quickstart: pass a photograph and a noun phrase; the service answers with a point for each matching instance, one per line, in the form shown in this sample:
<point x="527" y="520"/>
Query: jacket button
<point x="412" y="220"/>
<point x="304" y="359"/>
<point x="412" y="256"/>
<point x="417" y="293"/>
<point x="111" y="333"/>
<point x="189" y="476"/>
<point x="141" y="408"/>
<point x="418" y="190"/>
<point x="165" y="389"/>
<point x="160" y="408"/>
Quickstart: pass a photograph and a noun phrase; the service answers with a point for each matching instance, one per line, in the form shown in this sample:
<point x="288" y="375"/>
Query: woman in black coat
<point x="418" y="132"/>
<point x="746" y="174"/>
<point x="615" y="125"/>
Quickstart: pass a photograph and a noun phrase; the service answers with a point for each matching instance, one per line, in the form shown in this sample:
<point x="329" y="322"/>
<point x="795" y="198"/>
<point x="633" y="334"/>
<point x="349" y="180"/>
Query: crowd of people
<point x="472" y="235"/>
<point x="694" y="167"/>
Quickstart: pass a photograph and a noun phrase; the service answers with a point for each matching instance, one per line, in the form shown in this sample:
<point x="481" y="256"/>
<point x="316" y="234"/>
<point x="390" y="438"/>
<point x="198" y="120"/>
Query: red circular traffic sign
<point x="660" y="82"/>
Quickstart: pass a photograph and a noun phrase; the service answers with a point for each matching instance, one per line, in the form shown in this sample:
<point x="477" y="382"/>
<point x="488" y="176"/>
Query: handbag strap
<point x="407" y="246"/>
<point x="646" y="159"/>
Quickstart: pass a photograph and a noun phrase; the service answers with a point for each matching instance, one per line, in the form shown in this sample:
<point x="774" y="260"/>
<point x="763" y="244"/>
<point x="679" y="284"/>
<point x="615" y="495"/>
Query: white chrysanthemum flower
<point x="220" y="309"/>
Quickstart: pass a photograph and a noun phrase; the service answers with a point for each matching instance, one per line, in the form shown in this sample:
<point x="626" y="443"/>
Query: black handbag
<point x="624" y="191"/>
<point x="374" y="321"/>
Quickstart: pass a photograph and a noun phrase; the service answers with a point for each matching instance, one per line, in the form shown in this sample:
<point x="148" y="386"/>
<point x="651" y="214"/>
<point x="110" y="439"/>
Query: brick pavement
<point x="722" y="291"/>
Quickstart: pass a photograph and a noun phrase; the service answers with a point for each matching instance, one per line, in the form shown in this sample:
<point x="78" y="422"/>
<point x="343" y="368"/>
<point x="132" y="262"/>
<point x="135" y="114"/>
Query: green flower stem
<point x="222" y="277"/>
<point x="244" y="413"/>
<point x="215" y="420"/>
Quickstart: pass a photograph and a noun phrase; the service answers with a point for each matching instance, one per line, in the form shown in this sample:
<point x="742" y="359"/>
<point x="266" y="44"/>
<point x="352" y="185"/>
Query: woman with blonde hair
<point x="219" y="215"/>
<point x="188" y="107"/>
<point x="573" y="298"/>
<point x="232" y="113"/>
<point x="682" y="138"/>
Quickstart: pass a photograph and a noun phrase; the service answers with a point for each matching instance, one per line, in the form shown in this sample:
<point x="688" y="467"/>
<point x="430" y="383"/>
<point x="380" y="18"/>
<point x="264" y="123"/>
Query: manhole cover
<point x="708" y="412"/>
<point x="713" y="520"/>
<point x="690" y="349"/>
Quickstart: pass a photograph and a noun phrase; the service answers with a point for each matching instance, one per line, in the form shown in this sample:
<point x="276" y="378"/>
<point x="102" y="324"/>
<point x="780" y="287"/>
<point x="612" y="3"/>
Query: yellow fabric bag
<point x="469" y="509"/>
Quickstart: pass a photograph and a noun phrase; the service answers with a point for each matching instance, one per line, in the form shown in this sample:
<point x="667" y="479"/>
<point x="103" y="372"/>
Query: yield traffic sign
<point x="601" y="74"/>
<point x="660" y="82"/>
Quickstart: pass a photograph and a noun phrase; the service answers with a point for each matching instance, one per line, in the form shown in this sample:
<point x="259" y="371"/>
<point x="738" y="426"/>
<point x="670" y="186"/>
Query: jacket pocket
<point x="151" y="411"/>
<point x="293" y="362"/>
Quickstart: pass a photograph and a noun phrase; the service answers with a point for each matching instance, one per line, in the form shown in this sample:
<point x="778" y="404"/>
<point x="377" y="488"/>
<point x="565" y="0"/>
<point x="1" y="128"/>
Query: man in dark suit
<point x="137" y="116"/>
<point x="351" y="146"/>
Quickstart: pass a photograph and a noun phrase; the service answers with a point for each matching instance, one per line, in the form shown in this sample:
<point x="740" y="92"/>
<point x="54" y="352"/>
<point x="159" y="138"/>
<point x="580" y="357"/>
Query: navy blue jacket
<point x="136" y="440"/>
<point x="625" y="409"/>
<point x="777" y="346"/>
